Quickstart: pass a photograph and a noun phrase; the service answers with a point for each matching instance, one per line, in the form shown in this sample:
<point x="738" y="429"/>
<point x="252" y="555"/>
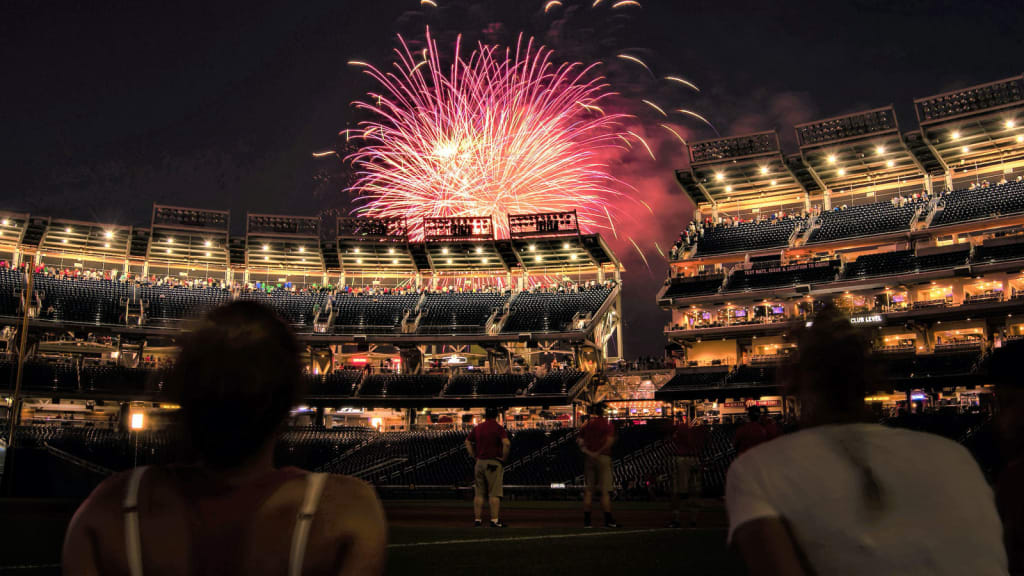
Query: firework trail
<point x="502" y="132"/>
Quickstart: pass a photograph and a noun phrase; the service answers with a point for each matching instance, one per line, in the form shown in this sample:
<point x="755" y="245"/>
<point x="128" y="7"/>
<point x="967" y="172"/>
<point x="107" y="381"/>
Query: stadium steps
<point x="236" y="251"/>
<point x="919" y="148"/>
<point x="382" y="465"/>
<point x="419" y="256"/>
<point x="803" y="175"/>
<point x="508" y="254"/>
<point x="34" y="231"/>
<point x="330" y="255"/>
<point x="139" y="247"/>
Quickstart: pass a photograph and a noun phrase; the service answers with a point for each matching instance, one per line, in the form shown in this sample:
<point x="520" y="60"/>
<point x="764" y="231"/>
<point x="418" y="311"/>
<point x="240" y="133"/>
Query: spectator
<point x="845" y="497"/>
<point x="1005" y="371"/>
<point x="489" y="444"/>
<point x="688" y="440"/>
<point x="229" y="511"/>
<point x="750" y="434"/>
<point x="595" y="441"/>
<point x="771" y="429"/>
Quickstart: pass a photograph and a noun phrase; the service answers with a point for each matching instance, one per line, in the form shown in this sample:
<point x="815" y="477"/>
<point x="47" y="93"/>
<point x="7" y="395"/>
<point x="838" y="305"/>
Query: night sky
<point x="109" y="109"/>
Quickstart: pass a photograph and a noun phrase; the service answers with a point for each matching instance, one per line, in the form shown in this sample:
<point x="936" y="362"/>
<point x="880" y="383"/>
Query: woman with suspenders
<point x="229" y="511"/>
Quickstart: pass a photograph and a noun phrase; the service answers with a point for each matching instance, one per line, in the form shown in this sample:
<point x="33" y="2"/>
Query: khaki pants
<point x="488" y="477"/>
<point x="597" y="472"/>
<point x="686" y="475"/>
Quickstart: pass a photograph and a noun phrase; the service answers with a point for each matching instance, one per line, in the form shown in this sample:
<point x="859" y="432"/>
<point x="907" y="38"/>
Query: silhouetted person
<point x="595" y="441"/>
<point x="1005" y="369"/>
<point x="229" y="511"/>
<point x="771" y="428"/>
<point x="845" y="497"/>
<point x="751" y="433"/>
<point x="489" y="444"/>
<point x="688" y="440"/>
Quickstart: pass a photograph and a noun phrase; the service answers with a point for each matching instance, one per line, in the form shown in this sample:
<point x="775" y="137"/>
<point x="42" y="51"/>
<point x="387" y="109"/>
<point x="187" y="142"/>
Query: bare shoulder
<point x="350" y="497"/>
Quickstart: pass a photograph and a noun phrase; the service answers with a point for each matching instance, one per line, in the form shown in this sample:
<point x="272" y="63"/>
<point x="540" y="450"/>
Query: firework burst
<point x="506" y="131"/>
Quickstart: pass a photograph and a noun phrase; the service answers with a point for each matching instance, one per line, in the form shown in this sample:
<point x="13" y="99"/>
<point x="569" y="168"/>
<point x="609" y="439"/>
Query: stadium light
<point x="479" y="250"/>
<point x="449" y="260"/>
<point x="533" y="247"/>
<point x="170" y="240"/>
<point x="65" y="241"/>
<point x="955" y="135"/>
<point x="108" y="234"/>
<point x="266" y="258"/>
<point x="106" y="244"/>
<point x="1020" y="138"/>
<point x="355" y="250"/>
<point x="764" y="169"/>
<point x="879" y="150"/>
<point x="138" y="420"/>
<point x="831" y="158"/>
<point x="6" y="222"/>
<point x="572" y="256"/>
<point x="359" y="260"/>
<point x="890" y="163"/>
<point x="538" y="258"/>
<point x="728" y="188"/>
<point x="302" y="248"/>
<point x="169" y="251"/>
<point x="207" y="243"/>
<point x="773" y="182"/>
<point x="842" y="171"/>
<point x="965" y="149"/>
<point x="444" y="250"/>
<point x="303" y="260"/>
<point x="266" y="247"/>
<point x="565" y="246"/>
<point x="483" y="260"/>
<point x="395" y="261"/>
<point x="207" y="254"/>
<point x="391" y="250"/>
<point x="719" y="176"/>
<point x="1010" y="124"/>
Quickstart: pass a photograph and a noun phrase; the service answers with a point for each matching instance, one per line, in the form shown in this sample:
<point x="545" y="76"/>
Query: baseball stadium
<point x="456" y="339"/>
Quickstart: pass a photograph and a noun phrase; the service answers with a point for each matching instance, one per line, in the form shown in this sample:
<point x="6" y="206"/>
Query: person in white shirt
<point x="843" y="496"/>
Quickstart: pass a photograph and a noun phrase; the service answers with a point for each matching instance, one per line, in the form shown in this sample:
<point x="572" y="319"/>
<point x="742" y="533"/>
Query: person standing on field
<point x="489" y="444"/>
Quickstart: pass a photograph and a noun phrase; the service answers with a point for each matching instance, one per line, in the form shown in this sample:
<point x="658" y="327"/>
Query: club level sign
<point x="867" y="320"/>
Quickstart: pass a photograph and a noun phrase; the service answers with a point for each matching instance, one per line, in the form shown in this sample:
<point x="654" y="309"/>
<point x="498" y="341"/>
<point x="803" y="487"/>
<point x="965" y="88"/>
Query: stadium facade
<point x="918" y="235"/>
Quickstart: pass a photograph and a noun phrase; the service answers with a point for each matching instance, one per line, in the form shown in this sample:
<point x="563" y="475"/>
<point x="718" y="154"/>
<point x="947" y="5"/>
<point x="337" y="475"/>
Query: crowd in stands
<point x="733" y="234"/>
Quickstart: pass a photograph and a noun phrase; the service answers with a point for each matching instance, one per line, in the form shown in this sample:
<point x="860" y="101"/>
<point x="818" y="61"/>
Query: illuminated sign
<point x="867" y="319"/>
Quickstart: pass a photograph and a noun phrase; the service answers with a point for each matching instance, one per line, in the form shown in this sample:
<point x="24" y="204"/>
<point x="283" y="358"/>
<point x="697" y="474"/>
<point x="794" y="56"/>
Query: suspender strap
<point x="132" y="538"/>
<point x="300" y="538"/>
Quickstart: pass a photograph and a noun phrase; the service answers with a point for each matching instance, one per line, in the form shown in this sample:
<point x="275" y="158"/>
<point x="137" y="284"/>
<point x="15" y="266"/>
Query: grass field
<point x="436" y="538"/>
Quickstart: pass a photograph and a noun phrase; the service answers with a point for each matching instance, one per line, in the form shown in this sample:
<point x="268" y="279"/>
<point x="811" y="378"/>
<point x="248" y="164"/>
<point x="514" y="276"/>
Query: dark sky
<point x="109" y="107"/>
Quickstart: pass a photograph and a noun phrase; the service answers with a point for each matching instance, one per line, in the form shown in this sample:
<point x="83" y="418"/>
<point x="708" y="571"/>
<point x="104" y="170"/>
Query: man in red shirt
<point x="595" y="440"/>
<point x="489" y="444"/>
<point x="688" y="441"/>
<point x="750" y="434"/>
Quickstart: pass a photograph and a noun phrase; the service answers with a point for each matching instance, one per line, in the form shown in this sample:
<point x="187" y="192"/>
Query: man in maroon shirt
<point x="771" y="428"/>
<point x="688" y="441"/>
<point x="489" y="444"/>
<point x="595" y="440"/>
<point x="750" y="434"/>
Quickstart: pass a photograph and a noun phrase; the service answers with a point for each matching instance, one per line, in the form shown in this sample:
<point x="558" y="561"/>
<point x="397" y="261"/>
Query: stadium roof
<point x="279" y="246"/>
<point x="747" y="168"/>
<point x="977" y="126"/>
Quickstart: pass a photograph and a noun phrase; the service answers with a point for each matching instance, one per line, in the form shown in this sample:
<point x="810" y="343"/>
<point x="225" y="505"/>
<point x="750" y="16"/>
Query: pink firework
<point x="505" y="132"/>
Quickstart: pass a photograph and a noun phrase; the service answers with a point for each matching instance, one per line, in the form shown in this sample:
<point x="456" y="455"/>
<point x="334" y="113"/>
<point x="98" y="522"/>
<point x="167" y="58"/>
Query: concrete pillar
<point x="826" y="200"/>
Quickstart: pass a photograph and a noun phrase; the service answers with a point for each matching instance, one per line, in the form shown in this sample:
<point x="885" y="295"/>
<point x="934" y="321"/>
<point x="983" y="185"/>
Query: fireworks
<point x="506" y="131"/>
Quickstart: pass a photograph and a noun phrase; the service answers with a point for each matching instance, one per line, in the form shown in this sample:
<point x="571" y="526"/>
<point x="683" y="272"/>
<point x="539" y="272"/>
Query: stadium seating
<point x="461" y="312"/>
<point x="172" y="303"/>
<point x="690" y="380"/>
<point x="902" y="262"/>
<point x="865" y="220"/>
<point x="982" y="202"/>
<point x="814" y="273"/>
<point x="746" y="236"/>
<point x="480" y="384"/>
<point x="11" y="286"/>
<point x="556" y="382"/>
<point x="372" y="313"/>
<point x="121" y="379"/>
<point x="336" y="383"/>
<point x="985" y="254"/>
<point x="79" y="300"/>
<point x="694" y="286"/>
<point x="295" y="308"/>
<point x="553" y="311"/>
<point x="402" y="385"/>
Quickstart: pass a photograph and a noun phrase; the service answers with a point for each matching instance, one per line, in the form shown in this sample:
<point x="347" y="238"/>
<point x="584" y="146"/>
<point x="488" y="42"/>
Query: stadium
<point x="917" y="235"/>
